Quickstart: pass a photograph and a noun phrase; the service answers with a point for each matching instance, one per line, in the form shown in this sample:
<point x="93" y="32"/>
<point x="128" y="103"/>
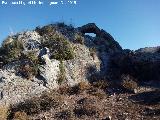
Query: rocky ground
<point x="91" y="102"/>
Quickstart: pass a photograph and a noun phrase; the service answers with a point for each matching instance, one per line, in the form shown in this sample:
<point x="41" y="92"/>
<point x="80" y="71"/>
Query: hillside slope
<point x="64" y="60"/>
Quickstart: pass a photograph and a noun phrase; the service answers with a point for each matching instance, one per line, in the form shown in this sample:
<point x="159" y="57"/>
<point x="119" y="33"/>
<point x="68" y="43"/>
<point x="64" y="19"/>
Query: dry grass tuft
<point x="20" y="116"/>
<point x="129" y="82"/>
<point x="101" y="84"/>
<point x="4" y="111"/>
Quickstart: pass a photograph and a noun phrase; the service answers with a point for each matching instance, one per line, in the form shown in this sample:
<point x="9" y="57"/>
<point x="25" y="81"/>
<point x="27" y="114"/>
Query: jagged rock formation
<point x="90" y="28"/>
<point x="57" y="55"/>
<point x="52" y="55"/>
<point x="43" y="59"/>
<point x="100" y="34"/>
<point x="143" y="64"/>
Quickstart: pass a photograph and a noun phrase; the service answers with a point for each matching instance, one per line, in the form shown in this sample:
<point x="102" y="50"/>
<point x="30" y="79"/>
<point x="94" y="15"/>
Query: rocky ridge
<point x="81" y="56"/>
<point x="33" y="62"/>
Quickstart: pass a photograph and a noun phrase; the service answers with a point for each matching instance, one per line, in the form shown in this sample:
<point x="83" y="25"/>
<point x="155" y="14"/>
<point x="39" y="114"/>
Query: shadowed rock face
<point x="143" y="64"/>
<point x="100" y="34"/>
<point x="90" y="28"/>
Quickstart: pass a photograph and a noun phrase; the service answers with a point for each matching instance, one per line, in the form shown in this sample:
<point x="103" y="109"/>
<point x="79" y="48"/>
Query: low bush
<point x="11" y="50"/>
<point x="59" y="47"/>
<point x="129" y="82"/>
<point x="78" y="39"/>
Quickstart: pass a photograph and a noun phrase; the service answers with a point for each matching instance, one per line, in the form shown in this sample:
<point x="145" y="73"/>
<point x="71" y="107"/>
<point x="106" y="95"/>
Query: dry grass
<point x="83" y="101"/>
<point x="129" y="82"/>
<point x="4" y="111"/>
<point x="101" y="84"/>
<point x="84" y="86"/>
<point x="66" y="90"/>
<point x="20" y="116"/>
<point x="36" y="105"/>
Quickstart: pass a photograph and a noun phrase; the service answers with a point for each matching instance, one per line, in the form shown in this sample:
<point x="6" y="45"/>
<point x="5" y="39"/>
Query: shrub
<point x="20" y="116"/>
<point x="129" y="83"/>
<point x="96" y="92"/>
<point x="59" y="47"/>
<point x="63" y="90"/>
<point x="78" y="39"/>
<point x="61" y="24"/>
<point x="12" y="50"/>
<point x="28" y="71"/>
<point x="31" y="56"/>
<point x="92" y="52"/>
<point x="74" y="89"/>
<point x="48" y="30"/>
<point x="80" y="87"/>
<point x="62" y="73"/>
<point x="50" y="100"/>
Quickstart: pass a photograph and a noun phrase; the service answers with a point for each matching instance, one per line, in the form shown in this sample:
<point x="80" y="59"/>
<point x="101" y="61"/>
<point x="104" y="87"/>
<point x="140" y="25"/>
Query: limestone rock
<point x="14" y="89"/>
<point x="50" y="72"/>
<point x="30" y="39"/>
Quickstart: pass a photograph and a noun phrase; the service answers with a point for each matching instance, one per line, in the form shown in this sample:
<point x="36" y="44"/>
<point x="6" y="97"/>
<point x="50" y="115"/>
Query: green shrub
<point x="60" y="48"/>
<point x="28" y="71"/>
<point x="48" y="30"/>
<point x="79" y="39"/>
<point x="11" y="50"/>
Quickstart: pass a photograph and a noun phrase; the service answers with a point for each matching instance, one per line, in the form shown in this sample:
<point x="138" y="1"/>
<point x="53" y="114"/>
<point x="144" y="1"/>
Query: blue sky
<point x="133" y="23"/>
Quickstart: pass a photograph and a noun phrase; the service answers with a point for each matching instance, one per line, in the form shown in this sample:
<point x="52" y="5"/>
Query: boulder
<point x="50" y="70"/>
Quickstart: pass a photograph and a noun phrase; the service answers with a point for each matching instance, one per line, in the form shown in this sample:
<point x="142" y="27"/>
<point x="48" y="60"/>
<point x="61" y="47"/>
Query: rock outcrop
<point x="143" y="64"/>
<point x="47" y="57"/>
<point x="55" y="54"/>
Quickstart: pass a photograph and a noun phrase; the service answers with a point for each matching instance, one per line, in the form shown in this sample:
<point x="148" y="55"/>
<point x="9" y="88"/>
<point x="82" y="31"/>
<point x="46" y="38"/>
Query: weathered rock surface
<point x="66" y="54"/>
<point x="143" y="64"/>
<point x="90" y="58"/>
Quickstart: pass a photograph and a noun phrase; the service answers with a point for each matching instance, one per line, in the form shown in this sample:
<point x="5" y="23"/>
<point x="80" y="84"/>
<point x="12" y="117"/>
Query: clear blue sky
<point x="133" y="23"/>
